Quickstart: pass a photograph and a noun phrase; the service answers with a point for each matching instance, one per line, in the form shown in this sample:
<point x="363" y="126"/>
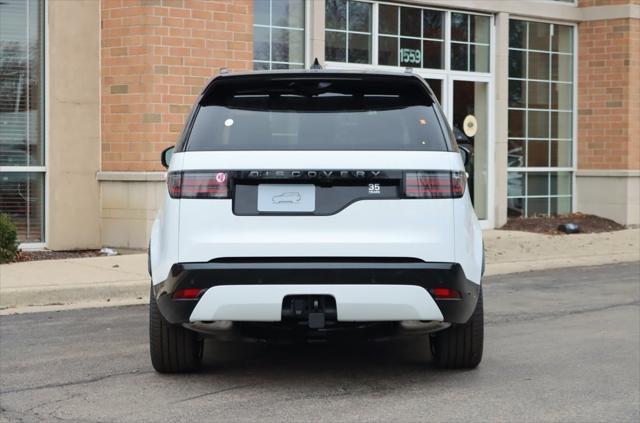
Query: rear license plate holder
<point x="286" y="198"/>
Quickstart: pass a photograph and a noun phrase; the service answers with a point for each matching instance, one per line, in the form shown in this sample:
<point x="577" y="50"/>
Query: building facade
<point x="91" y="91"/>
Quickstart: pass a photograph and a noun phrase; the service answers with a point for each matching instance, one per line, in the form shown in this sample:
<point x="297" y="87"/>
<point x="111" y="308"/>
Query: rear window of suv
<point x="317" y="113"/>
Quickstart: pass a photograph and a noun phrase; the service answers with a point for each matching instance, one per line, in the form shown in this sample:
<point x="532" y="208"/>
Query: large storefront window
<point x="410" y="37"/>
<point x="406" y="36"/>
<point x="278" y="34"/>
<point x="22" y="154"/>
<point x="540" y="161"/>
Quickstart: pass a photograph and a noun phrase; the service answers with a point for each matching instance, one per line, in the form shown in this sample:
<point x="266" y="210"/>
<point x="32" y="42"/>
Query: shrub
<point x="8" y="239"/>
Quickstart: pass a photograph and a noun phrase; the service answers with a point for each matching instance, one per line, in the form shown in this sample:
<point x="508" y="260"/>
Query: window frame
<point x="305" y="38"/>
<point x="43" y="168"/>
<point x="574" y="119"/>
<point x="446" y="69"/>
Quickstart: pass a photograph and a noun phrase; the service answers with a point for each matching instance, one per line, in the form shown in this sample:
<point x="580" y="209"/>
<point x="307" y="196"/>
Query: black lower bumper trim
<point x="317" y="271"/>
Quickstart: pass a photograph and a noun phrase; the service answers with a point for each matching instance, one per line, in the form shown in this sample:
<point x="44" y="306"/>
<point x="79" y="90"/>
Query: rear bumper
<point x="365" y="289"/>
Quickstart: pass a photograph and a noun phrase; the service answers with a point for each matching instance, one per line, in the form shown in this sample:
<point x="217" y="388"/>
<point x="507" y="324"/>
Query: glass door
<point x="469" y="118"/>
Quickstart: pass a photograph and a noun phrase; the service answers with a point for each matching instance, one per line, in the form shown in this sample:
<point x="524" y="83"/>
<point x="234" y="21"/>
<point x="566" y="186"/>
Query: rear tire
<point x="460" y="346"/>
<point x="173" y="348"/>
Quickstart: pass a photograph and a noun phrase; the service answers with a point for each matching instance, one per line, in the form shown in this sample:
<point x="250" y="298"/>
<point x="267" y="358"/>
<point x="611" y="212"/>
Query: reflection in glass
<point x="359" y="16"/>
<point x="22" y="198"/>
<point x="517" y="94"/>
<point x="336" y="14"/>
<point x="261" y="43"/>
<point x="561" y="154"/>
<point x="287" y="13"/>
<point x="560" y="205"/>
<point x="517" y="34"/>
<point x="479" y="58"/>
<point x="516" y="124"/>
<point x="287" y="45"/>
<point x="388" y="19"/>
<point x="537" y="153"/>
<point x="561" y="96"/>
<point x="388" y="51"/>
<point x="336" y="46"/>
<point x="562" y="40"/>
<point x="410" y="21"/>
<point x="561" y="67"/>
<point x="538" y="97"/>
<point x="561" y="124"/>
<point x="459" y="56"/>
<point x="517" y="64"/>
<point x="537" y="183"/>
<point x="459" y="27"/>
<point x="359" y="48"/>
<point x="539" y="66"/>
<point x="479" y="29"/>
<point x="537" y="206"/>
<point x="517" y="150"/>
<point x="560" y="183"/>
<point x="432" y="24"/>
<point x="539" y="36"/>
<point x="432" y="54"/>
<point x="538" y="124"/>
<point x="21" y="142"/>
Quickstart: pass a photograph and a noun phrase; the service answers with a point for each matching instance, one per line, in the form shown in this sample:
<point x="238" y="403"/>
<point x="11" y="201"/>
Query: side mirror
<point x="465" y="153"/>
<point x="165" y="157"/>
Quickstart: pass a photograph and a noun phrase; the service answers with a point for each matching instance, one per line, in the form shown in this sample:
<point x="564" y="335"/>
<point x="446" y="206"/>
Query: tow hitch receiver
<point x="312" y="310"/>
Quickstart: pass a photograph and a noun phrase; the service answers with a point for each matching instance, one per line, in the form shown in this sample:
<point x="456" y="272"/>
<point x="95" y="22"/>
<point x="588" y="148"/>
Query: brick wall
<point x="156" y="57"/>
<point x="609" y="94"/>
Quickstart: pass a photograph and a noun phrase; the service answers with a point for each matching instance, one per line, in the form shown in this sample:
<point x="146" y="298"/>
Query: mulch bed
<point x="549" y="225"/>
<point x="55" y="255"/>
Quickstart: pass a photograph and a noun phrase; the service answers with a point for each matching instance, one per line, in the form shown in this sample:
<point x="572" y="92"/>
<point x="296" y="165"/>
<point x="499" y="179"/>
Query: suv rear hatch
<point x="316" y="165"/>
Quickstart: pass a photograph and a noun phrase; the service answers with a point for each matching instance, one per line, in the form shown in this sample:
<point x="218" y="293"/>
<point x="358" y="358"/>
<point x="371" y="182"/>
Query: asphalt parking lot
<point x="560" y="345"/>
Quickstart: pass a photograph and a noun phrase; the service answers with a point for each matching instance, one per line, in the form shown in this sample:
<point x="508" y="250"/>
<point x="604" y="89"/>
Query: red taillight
<point x="444" y="293"/>
<point x="187" y="294"/>
<point x="434" y="184"/>
<point x="198" y="184"/>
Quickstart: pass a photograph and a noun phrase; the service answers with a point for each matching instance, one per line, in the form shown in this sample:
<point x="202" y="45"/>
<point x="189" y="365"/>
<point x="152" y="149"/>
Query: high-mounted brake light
<point x="434" y="184"/>
<point x="198" y="184"/>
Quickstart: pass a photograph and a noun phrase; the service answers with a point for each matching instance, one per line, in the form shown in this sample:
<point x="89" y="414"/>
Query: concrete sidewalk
<point x="119" y="280"/>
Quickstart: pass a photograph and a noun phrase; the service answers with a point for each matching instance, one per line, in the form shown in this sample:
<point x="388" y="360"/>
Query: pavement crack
<point x="525" y="317"/>
<point x="219" y="391"/>
<point x="76" y="382"/>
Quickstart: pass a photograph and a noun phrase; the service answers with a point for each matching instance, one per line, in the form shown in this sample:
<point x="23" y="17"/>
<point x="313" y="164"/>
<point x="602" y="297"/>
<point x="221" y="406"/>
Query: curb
<point x="33" y="300"/>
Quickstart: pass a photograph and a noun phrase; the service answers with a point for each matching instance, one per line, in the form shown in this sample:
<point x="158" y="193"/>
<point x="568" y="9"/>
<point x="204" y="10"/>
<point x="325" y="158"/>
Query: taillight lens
<point x="434" y="184"/>
<point x="198" y="184"/>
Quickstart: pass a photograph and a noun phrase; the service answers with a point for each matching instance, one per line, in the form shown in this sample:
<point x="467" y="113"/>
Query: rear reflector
<point x="187" y="294"/>
<point x="434" y="184"/>
<point x="198" y="184"/>
<point x="444" y="293"/>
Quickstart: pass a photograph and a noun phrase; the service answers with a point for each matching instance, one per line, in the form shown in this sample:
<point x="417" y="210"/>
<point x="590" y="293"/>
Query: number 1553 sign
<point x="411" y="56"/>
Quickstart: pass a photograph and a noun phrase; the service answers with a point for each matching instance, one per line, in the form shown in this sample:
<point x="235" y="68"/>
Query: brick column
<point x="608" y="176"/>
<point x="156" y="57"/>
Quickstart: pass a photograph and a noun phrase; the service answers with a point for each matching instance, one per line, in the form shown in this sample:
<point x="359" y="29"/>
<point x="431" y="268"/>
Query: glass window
<point x="278" y="34"/>
<point x="470" y="35"/>
<point x="410" y="37"/>
<point x="348" y="31"/>
<point x="318" y="114"/>
<point x="540" y="118"/>
<point x="21" y="117"/>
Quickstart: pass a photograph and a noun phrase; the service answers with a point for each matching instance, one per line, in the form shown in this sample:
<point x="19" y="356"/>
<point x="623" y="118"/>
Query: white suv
<point x="312" y="204"/>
